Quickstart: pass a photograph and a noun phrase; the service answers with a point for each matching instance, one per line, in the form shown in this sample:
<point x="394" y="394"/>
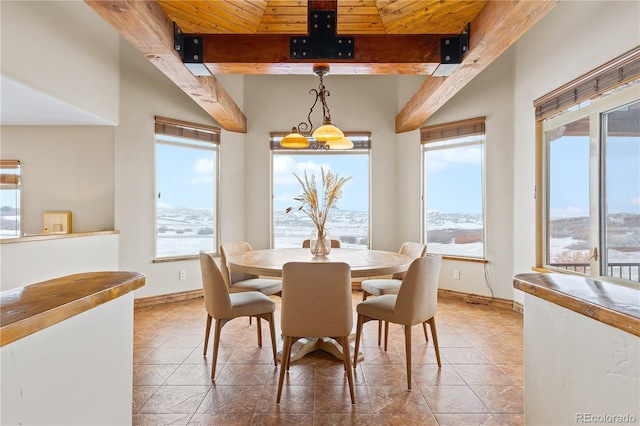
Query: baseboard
<point x="482" y="300"/>
<point x="144" y="302"/>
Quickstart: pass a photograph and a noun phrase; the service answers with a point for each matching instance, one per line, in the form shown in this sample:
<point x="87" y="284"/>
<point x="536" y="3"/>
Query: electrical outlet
<point x="456" y="274"/>
<point x="182" y="275"/>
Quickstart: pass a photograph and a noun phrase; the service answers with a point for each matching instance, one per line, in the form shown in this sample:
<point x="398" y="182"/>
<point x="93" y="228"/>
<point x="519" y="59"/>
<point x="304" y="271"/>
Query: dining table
<point x="364" y="263"/>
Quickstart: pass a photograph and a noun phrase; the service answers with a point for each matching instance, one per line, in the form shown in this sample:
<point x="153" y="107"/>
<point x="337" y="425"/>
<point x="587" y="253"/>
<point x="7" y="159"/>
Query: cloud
<point x="635" y="201"/>
<point x="443" y="158"/>
<point x="284" y="166"/>
<point x="203" y="165"/>
<point x="162" y="205"/>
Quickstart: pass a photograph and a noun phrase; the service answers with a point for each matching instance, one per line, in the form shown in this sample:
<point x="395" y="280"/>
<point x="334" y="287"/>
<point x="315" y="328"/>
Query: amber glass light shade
<point x="328" y="132"/>
<point x="294" y="140"/>
<point x="344" y="143"/>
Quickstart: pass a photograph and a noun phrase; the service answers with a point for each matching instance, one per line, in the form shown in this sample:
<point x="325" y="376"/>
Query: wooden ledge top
<point x="26" y="310"/>
<point x="612" y="304"/>
<point x="54" y="236"/>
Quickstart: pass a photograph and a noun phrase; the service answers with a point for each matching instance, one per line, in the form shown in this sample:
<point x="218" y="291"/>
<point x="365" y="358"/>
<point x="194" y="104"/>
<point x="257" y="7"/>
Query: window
<point x="9" y="198"/>
<point x="591" y="175"/>
<point x="453" y="163"/>
<point x="187" y="159"/>
<point x="349" y="223"/>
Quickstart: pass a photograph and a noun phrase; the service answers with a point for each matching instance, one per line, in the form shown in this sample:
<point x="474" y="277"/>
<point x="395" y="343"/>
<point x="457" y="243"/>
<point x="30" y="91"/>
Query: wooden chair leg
<point x="434" y="336"/>
<point x="379" y="332"/>
<point x="424" y="328"/>
<point x="272" y="332"/>
<point x="358" y="335"/>
<point x="407" y="348"/>
<point x="206" y="334"/>
<point x="216" y="345"/>
<point x="386" y="334"/>
<point x="284" y="364"/>
<point x="344" y="341"/>
<point x="364" y="295"/>
<point x="259" y="327"/>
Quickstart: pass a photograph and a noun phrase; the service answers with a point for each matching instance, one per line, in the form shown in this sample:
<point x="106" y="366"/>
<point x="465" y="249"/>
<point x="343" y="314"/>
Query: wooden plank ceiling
<point x="390" y="37"/>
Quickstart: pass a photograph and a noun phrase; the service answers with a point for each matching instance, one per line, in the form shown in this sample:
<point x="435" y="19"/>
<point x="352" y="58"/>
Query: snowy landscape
<point x="187" y="231"/>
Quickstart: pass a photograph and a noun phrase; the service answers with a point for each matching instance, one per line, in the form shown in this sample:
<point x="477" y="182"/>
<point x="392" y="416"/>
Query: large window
<point x="9" y="198"/>
<point x="187" y="187"/>
<point x="349" y="223"/>
<point x="591" y="175"/>
<point x="453" y="211"/>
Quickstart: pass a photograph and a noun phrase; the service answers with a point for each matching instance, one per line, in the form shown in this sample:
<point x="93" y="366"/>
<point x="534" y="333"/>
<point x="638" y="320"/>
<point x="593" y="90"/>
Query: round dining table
<point x="363" y="263"/>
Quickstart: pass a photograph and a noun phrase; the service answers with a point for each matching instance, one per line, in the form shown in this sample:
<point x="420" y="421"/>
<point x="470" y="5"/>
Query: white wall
<point x="574" y="38"/>
<point x="65" y="50"/>
<point x="577" y="365"/>
<point x="76" y="372"/>
<point x="67" y="168"/>
<point x="145" y="93"/>
<point x="25" y="263"/>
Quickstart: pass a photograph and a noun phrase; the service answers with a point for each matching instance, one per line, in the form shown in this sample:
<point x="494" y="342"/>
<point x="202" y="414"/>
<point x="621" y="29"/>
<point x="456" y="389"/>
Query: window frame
<point x="448" y="132"/>
<point x="6" y="184"/>
<point x="362" y="145"/>
<point x="593" y="104"/>
<point x="192" y="135"/>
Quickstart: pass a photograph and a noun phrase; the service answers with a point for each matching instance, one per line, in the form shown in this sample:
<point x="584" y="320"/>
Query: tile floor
<point x="480" y="382"/>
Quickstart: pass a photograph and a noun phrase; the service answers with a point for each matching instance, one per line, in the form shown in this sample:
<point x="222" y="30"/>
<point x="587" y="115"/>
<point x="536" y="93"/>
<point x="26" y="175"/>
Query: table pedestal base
<point x="305" y="346"/>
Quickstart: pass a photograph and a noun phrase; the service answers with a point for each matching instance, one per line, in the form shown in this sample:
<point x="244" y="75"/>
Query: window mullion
<point x="596" y="193"/>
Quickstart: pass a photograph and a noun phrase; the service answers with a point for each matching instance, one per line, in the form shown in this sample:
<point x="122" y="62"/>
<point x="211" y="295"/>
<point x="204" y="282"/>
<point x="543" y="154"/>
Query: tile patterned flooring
<point x="480" y="382"/>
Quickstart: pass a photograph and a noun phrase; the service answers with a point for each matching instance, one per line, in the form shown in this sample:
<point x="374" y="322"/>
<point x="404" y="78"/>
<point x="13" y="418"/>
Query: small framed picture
<point x="56" y="222"/>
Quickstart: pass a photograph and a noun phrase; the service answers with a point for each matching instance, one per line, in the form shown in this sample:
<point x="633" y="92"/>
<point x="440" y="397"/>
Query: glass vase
<point x="320" y="243"/>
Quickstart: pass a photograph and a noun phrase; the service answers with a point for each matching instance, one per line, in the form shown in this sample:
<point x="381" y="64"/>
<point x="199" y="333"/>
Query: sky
<point x="569" y="176"/>
<point x="185" y="177"/>
<point x="355" y="192"/>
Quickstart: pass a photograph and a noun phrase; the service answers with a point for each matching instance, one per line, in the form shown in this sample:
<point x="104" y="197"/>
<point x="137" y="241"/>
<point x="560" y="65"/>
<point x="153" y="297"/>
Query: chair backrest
<point x="228" y="249"/>
<point x="216" y="295"/>
<point x="334" y="244"/>
<point x="316" y="299"/>
<point x="413" y="250"/>
<point x="418" y="295"/>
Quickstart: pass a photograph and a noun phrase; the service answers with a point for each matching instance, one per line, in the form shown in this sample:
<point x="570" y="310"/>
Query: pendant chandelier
<point x="326" y="136"/>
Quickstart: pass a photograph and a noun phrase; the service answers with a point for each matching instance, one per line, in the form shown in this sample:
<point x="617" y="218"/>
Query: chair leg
<point x="216" y="345"/>
<point x="344" y="341"/>
<point x="206" y="334"/>
<point x="272" y="331"/>
<point x="424" y="328"/>
<point x="284" y="364"/>
<point x="434" y="336"/>
<point x="407" y="348"/>
<point x="386" y="334"/>
<point x="358" y="335"/>
<point x="379" y="332"/>
<point x="259" y="327"/>
<point x="364" y="295"/>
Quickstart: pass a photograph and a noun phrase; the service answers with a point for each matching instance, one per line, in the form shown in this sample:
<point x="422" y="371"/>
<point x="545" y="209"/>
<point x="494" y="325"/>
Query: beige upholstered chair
<point x="223" y="307"/>
<point x="316" y="302"/>
<point x="415" y="303"/>
<point x="378" y="287"/>
<point x="334" y="244"/>
<point x="237" y="281"/>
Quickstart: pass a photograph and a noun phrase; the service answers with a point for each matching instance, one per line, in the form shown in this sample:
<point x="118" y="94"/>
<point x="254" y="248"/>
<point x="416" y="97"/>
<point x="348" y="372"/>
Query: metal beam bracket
<point x="452" y="49"/>
<point x="190" y="49"/>
<point x="322" y="42"/>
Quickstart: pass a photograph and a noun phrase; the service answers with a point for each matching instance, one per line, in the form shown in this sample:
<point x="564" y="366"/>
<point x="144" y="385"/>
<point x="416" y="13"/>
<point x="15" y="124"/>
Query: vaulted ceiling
<point x="388" y="37"/>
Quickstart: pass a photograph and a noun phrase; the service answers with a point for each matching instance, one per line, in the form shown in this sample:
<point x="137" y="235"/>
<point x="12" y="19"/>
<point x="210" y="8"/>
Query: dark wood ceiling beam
<point x="269" y="53"/>
<point x="497" y="26"/>
<point x="145" y="25"/>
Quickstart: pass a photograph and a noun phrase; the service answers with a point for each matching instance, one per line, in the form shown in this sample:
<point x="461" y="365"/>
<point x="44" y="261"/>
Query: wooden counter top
<point x="26" y="310"/>
<point x="612" y="304"/>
